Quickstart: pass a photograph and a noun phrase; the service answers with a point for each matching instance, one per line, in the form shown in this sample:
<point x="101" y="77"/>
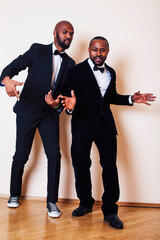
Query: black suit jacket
<point x="91" y="107"/>
<point x="38" y="59"/>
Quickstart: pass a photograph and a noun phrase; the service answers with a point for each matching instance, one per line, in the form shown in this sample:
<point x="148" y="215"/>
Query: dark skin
<point x="98" y="51"/>
<point x="64" y="32"/>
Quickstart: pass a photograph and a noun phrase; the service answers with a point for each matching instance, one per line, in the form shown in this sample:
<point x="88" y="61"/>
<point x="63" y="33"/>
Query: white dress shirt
<point x="57" y="60"/>
<point x="103" y="79"/>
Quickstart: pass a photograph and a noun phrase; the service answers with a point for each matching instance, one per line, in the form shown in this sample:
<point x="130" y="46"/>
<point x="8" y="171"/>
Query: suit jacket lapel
<point x="47" y="64"/>
<point x="91" y="77"/>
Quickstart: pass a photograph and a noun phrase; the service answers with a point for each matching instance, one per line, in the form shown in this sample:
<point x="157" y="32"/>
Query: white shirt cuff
<point x="130" y="99"/>
<point x="70" y="111"/>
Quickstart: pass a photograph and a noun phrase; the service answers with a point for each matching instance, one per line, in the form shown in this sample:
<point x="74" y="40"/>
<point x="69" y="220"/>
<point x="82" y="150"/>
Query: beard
<point x="62" y="44"/>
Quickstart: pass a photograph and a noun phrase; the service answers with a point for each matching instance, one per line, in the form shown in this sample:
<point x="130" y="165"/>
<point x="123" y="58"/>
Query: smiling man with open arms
<point x="92" y="85"/>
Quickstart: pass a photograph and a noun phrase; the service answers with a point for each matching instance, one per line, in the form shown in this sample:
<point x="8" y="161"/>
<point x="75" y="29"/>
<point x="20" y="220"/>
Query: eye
<point x="71" y="34"/>
<point x="64" y="31"/>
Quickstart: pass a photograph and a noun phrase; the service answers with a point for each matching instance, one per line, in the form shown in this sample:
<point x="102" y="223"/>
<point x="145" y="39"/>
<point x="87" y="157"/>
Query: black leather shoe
<point x="80" y="211"/>
<point x="114" y="221"/>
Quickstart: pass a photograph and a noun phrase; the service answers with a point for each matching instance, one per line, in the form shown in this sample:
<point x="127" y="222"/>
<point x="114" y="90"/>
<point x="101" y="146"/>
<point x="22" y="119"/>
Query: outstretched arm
<point x="143" y="98"/>
<point x="69" y="102"/>
<point x="10" y="86"/>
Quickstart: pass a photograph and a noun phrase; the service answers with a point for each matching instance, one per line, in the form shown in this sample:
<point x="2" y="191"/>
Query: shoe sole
<point x="54" y="215"/>
<point x="80" y="215"/>
<point x="12" y="205"/>
<point x="112" y="225"/>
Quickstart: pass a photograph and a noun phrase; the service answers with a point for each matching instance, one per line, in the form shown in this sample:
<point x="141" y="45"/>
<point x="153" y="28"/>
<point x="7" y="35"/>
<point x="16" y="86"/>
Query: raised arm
<point x="12" y="69"/>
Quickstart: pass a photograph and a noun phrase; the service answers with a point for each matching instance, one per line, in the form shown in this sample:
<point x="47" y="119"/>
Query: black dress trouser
<point x="49" y="132"/>
<point x="106" y="143"/>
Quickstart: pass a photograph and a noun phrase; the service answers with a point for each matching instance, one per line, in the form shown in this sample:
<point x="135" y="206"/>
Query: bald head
<point x="61" y="23"/>
<point x="63" y="35"/>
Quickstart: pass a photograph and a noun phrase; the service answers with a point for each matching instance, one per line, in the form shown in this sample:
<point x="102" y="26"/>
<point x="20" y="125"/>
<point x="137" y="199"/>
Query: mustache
<point x="98" y="57"/>
<point x="67" y="39"/>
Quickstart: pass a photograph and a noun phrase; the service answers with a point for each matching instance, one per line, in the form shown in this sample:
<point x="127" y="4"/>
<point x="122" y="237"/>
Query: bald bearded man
<point x="47" y="69"/>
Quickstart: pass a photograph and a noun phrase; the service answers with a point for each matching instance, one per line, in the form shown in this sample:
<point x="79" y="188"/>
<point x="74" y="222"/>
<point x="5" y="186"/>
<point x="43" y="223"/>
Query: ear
<point x="55" y="33"/>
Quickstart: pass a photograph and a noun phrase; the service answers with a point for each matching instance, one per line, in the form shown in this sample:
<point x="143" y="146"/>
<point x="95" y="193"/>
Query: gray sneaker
<point x="13" y="202"/>
<point x="53" y="210"/>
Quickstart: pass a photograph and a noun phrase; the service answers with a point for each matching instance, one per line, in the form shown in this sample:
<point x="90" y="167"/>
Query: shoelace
<point x="14" y="199"/>
<point x="53" y="207"/>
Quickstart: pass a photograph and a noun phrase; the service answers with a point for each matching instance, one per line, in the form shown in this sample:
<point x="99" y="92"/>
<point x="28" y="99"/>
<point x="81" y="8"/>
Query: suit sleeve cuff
<point x="69" y="111"/>
<point x="2" y="84"/>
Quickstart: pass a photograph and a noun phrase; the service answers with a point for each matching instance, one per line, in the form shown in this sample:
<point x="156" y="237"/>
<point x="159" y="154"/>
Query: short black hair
<point x="99" y="37"/>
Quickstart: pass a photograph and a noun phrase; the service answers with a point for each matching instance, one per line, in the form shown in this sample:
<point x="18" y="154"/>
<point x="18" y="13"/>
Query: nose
<point x="68" y="35"/>
<point x="98" y="52"/>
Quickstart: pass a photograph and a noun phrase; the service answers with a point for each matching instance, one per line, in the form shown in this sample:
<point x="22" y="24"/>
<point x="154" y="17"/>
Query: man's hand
<point x="50" y="101"/>
<point x="10" y="86"/>
<point x="68" y="102"/>
<point x="143" y="98"/>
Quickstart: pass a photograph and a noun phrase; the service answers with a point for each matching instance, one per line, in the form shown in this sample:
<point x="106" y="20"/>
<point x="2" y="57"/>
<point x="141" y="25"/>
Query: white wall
<point x="132" y="28"/>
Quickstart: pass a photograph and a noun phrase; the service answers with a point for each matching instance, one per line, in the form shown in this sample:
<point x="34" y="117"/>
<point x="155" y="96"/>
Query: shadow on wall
<point x="33" y="163"/>
<point x="123" y="148"/>
<point x="96" y="174"/>
<point x="67" y="174"/>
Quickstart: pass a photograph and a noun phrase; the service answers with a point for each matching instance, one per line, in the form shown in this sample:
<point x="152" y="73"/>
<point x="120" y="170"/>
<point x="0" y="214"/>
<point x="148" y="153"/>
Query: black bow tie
<point x="101" y="69"/>
<point x="56" y="52"/>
